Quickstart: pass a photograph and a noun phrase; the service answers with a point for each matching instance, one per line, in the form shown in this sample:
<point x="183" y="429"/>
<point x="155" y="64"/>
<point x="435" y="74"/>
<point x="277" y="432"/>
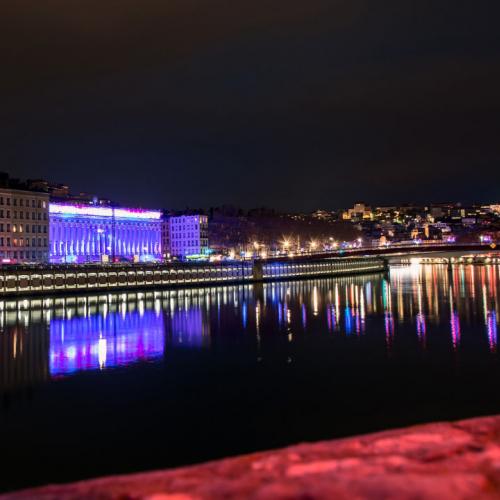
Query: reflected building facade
<point x="187" y="327"/>
<point x="87" y="233"/>
<point x="23" y="357"/>
<point x="104" y="341"/>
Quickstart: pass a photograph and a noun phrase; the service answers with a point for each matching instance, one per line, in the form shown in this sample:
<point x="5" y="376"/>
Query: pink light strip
<point x="121" y="213"/>
<point x="136" y="213"/>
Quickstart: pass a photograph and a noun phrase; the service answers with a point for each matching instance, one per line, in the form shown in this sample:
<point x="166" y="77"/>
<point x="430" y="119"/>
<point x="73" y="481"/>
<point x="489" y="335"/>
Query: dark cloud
<point x="291" y="104"/>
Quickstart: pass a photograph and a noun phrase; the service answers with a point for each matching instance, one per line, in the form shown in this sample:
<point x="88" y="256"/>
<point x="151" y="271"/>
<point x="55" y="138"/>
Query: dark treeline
<point x="232" y="227"/>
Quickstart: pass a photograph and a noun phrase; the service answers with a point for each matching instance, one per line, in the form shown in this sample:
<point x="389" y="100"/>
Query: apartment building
<point x="24" y="225"/>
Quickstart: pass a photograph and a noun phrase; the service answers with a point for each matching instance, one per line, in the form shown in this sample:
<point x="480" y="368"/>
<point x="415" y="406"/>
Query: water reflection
<point x="104" y="340"/>
<point x="53" y="337"/>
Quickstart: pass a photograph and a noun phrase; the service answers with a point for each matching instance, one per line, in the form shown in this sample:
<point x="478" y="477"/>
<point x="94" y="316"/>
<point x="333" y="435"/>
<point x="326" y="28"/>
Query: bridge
<point x="454" y="259"/>
<point x="390" y="251"/>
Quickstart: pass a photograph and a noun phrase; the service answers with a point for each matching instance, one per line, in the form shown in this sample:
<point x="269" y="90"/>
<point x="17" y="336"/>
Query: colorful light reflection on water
<point x="104" y="341"/>
<point x="120" y="337"/>
<point x="116" y="330"/>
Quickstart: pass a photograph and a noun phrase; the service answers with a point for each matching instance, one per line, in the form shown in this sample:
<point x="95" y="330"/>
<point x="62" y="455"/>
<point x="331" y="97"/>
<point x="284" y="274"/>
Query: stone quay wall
<point x="32" y="280"/>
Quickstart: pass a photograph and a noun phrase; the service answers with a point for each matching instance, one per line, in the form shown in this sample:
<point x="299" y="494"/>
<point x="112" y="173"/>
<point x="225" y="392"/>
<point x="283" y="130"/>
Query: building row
<point x="35" y="228"/>
<point x="436" y="221"/>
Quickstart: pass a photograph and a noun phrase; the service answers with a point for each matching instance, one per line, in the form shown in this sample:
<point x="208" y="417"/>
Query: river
<point x="116" y="383"/>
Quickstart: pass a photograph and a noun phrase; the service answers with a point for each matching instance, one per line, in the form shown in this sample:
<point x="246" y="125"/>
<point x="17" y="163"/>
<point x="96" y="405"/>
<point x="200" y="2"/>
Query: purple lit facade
<point x="186" y="235"/>
<point x="85" y="233"/>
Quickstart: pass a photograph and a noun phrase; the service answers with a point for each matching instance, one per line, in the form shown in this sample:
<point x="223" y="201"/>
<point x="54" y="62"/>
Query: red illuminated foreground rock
<point x="458" y="460"/>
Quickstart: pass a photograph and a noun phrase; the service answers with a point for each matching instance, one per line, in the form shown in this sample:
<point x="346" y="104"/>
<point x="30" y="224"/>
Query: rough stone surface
<point x="459" y="460"/>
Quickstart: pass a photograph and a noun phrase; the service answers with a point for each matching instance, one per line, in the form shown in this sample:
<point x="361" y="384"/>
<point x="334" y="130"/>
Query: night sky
<point x="291" y="104"/>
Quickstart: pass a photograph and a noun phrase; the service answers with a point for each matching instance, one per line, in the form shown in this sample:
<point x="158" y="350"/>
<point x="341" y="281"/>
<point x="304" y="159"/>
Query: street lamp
<point x="286" y="245"/>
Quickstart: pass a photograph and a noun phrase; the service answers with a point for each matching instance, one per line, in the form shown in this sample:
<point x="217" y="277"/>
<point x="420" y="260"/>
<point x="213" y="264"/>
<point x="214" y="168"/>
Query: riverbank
<point x="81" y="278"/>
<point x="459" y="460"/>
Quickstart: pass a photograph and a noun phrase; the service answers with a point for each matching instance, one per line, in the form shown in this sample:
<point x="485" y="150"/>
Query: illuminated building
<point x="187" y="235"/>
<point x="322" y="215"/>
<point x="358" y="212"/>
<point x="23" y="225"/>
<point x="165" y="237"/>
<point x="87" y="233"/>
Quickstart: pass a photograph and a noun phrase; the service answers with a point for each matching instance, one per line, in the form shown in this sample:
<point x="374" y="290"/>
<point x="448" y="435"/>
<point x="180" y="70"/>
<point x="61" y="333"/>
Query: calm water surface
<point x="117" y="383"/>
